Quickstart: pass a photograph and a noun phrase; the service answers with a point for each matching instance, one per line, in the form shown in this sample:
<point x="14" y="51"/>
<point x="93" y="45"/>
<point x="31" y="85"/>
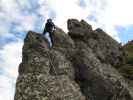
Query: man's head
<point x="49" y="20"/>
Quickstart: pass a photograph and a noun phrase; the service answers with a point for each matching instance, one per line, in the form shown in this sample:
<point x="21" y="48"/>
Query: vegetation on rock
<point x="127" y="68"/>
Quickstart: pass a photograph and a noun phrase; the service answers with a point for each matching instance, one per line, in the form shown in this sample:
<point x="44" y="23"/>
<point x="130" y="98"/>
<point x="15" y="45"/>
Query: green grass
<point x="129" y="53"/>
<point x="127" y="69"/>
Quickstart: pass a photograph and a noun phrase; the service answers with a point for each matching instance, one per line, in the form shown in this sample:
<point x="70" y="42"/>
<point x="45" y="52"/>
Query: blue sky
<point x="17" y="17"/>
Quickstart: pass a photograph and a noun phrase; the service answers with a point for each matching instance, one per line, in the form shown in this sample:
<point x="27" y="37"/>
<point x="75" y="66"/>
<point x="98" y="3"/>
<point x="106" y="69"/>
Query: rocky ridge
<point x="80" y="66"/>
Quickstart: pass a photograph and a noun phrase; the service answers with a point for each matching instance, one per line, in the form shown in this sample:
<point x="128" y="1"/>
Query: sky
<point x="17" y="17"/>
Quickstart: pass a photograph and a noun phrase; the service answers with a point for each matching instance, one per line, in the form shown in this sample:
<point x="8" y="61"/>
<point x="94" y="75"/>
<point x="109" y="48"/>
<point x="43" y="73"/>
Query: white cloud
<point x="100" y="10"/>
<point x="121" y="12"/>
<point x="10" y="6"/>
<point x="64" y="10"/>
<point x="70" y="9"/>
<point x="115" y="12"/>
<point x="6" y="88"/>
<point x="111" y="13"/>
<point x="3" y="29"/>
<point x="10" y="12"/>
<point x="11" y="57"/>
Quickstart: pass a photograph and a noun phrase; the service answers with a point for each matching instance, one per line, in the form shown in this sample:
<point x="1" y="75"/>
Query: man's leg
<point x="51" y="37"/>
<point x="47" y="36"/>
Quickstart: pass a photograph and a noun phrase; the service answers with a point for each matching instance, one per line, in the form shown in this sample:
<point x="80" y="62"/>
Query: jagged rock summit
<point x="80" y="66"/>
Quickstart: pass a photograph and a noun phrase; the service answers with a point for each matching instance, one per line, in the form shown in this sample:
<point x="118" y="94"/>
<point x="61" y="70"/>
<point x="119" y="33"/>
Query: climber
<point x="48" y="31"/>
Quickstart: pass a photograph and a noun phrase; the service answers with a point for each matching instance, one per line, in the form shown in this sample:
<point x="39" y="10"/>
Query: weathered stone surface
<point x="78" y="29"/>
<point x="105" y="48"/>
<point x="62" y="40"/>
<point x="98" y="81"/>
<point x="46" y="74"/>
<point x="80" y="66"/>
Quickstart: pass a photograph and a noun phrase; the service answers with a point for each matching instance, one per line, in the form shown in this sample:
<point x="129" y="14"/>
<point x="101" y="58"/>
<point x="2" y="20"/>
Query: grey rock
<point x="80" y="66"/>
<point x="46" y="74"/>
<point x="78" y="29"/>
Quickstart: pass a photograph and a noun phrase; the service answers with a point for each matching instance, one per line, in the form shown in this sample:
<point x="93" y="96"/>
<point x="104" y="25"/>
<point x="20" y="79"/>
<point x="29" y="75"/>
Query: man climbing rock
<point x="48" y="31"/>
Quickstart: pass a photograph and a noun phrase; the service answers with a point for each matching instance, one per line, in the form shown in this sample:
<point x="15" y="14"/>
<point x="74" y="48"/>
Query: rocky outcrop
<point x="80" y="66"/>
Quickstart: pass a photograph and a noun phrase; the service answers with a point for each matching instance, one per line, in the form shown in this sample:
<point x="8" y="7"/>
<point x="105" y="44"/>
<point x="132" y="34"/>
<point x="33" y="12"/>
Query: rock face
<point x="80" y="66"/>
